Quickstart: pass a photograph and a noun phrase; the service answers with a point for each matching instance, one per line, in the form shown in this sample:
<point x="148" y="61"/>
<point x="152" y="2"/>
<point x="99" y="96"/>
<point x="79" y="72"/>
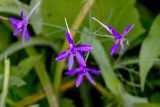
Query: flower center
<point x="72" y="50"/>
<point x="21" y="24"/>
<point x="82" y="70"/>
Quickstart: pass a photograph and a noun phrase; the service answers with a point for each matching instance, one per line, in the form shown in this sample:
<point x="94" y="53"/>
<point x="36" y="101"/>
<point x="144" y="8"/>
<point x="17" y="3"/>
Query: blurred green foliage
<point x="129" y="80"/>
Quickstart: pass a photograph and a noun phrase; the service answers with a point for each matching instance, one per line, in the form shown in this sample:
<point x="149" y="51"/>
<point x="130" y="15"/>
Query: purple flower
<point x="74" y="50"/>
<point x="20" y="26"/>
<point x="83" y="71"/>
<point x="119" y="37"/>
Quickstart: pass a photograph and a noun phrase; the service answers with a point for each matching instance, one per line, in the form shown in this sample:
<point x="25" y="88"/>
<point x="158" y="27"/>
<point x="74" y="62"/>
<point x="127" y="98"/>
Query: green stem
<point x="6" y="82"/>
<point x="44" y="78"/>
<point x="76" y="25"/>
<point x="18" y="46"/>
<point x="32" y="99"/>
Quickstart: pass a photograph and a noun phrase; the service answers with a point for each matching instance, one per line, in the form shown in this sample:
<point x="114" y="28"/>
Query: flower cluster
<point x="20" y="26"/>
<point x="77" y="51"/>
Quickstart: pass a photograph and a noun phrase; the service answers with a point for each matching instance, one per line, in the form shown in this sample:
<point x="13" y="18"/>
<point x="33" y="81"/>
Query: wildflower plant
<point x="119" y="37"/>
<point x="119" y="83"/>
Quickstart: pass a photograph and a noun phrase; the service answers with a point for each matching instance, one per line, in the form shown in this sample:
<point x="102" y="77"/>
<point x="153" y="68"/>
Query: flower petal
<point x="17" y="32"/>
<point x="114" y="47"/>
<point x="22" y="14"/>
<point x="62" y="55"/>
<point x="23" y="35"/>
<point x="114" y="32"/>
<point x="27" y="34"/>
<point x="93" y="71"/>
<point x="69" y="39"/>
<point x="70" y="61"/>
<point x="122" y="47"/>
<point x="84" y="48"/>
<point x="79" y="80"/>
<point x="72" y="72"/>
<point x="14" y="20"/>
<point x="90" y="78"/>
<point x="14" y="26"/>
<point x="80" y="59"/>
<point x="127" y="29"/>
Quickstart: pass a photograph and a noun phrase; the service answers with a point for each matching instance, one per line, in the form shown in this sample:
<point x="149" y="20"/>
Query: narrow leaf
<point x="149" y="50"/>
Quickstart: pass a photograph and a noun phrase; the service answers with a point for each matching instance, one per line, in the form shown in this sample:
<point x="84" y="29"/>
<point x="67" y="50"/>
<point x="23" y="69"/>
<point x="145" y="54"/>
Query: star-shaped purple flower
<point x="83" y="71"/>
<point x="21" y="25"/>
<point x="119" y="37"/>
<point x="74" y="50"/>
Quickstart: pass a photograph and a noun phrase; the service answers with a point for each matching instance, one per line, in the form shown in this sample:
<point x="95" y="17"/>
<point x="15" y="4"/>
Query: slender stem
<point x="30" y="13"/>
<point x="4" y="18"/>
<point x="67" y="25"/>
<point x="77" y="23"/>
<point x="6" y="82"/>
<point x="103" y="91"/>
<point x="105" y="26"/>
<point x="44" y="79"/>
<point x="31" y="99"/>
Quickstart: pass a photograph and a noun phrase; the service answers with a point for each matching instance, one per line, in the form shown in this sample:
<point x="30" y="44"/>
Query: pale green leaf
<point x="25" y="66"/>
<point x="149" y="50"/>
<point x="14" y="81"/>
<point x="130" y="100"/>
<point x="53" y="13"/>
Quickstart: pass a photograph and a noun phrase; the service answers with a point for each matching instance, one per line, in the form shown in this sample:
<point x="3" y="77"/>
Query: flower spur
<point x="21" y="25"/>
<point x="83" y="71"/>
<point x="74" y="50"/>
<point x="119" y="37"/>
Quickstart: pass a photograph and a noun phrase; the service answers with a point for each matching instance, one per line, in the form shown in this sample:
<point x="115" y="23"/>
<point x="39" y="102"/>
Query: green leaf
<point x="147" y="105"/>
<point x="12" y="6"/>
<point x="149" y="50"/>
<point x="36" y="19"/>
<point x="65" y="102"/>
<point x="110" y="78"/>
<point x="53" y="13"/>
<point x="130" y="100"/>
<point x="8" y="2"/>
<point x="25" y="66"/>
<point x="14" y="81"/>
